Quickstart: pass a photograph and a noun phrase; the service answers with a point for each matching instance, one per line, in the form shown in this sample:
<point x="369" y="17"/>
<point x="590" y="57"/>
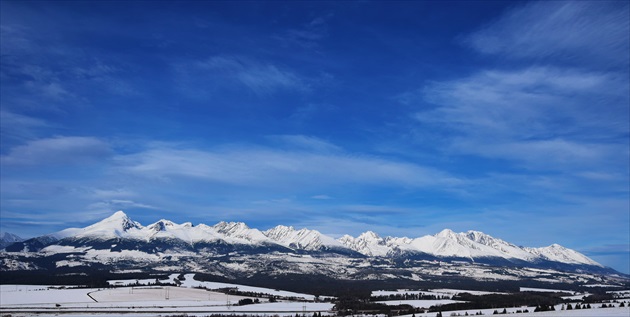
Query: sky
<point x="403" y="118"/>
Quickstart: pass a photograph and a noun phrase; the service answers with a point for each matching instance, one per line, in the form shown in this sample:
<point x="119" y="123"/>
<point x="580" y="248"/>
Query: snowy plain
<point x="142" y="297"/>
<point x="189" y="299"/>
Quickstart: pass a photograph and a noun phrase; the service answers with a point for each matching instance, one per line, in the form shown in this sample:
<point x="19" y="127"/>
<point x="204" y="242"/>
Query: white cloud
<point x="543" y="116"/>
<point x="113" y="205"/>
<point x="20" y="127"/>
<point x="574" y="31"/>
<point x="58" y="150"/>
<point x="546" y="154"/>
<point x="305" y="142"/>
<point x="321" y="197"/>
<point x="530" y="102"/>
<point x="112" y="193"/>
<point x="284" y="168"/>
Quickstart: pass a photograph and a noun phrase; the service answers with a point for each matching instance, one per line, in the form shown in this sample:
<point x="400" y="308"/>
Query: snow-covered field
<point x="595" y="312"/>
<point x="420" y="303"/>
<point x="42" y="295"/>
<point x="543" y="290"/>
<point x="149" y="300"/>
<point x="155" y="300"/>
<point x="190" y="282"/>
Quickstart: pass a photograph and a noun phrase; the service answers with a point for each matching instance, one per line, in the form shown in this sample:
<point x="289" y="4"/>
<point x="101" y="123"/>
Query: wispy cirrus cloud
<point x="583" y="32"/>
<point x="568" y="92"/>
<point x="308" y="35"/>
<point x="530" y="102"/>
<point x="543" y="116"/>
<point x="57" y="150"/>
<point x="18" y="127"/>
<point x="309" y="143"/>
<point x="262" y="78"/>
<point x="257" y="166"/>
<point x="106" y="206"/>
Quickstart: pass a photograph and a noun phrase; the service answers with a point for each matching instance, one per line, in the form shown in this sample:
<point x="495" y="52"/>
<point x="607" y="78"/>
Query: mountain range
<point x="233" y="248"/>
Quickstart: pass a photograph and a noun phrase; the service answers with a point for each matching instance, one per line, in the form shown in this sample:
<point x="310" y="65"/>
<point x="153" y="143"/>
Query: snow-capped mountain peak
<point x="478" y="236"/>
<point x="368" y="243"/>
<point x="508" y="250"/>
<point x="9" y="238"/>
<point x="279" y="232"/>
<point x="161" y="225"/>
<point x="231" y="228"/>
<point x="303" y="239"/>
<point x="370" y="236"/>
<point x="239" y="232"/>
<point x="558" y="253"/>
<point x="447" y="233"/>
<point x="116" y="225"/>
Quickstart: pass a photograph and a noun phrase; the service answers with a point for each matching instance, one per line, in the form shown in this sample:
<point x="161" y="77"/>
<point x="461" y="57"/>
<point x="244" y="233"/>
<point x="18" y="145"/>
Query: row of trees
<point x="407" y="296"/>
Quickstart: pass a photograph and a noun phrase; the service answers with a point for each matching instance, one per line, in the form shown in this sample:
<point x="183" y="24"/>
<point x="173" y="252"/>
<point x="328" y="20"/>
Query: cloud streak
<point x="574" y="31"/>
<point x="540" y="116"/>
<point x="58" y="150"/>
<point x="247" y="166"/>
<point x="260" y="78"/>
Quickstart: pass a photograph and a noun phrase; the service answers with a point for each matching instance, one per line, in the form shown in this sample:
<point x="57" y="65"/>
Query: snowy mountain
<point x="369" y="243"/>
<point x="472" y="245"/>
<point x="234" y="249"/>
<point x="558" y="253"/>
<point x="303" y="239"/>
<point x="117" y="225"/>
<point x="9" y="238"/>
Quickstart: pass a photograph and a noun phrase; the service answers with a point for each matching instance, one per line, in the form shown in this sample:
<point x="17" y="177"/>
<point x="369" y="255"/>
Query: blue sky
<point x="404" y="118"/>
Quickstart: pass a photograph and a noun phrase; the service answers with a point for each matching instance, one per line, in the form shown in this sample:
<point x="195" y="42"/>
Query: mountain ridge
<point x="471" y="245"/>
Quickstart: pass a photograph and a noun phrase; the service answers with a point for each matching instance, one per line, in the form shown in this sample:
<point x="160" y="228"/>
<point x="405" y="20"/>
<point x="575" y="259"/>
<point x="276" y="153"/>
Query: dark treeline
<point x="87" y="278"/>
<point x="406" y="296"/>
<point x="327" y="286"/>
<point x="351" y="306"/>
<point x="317" y="314"/>
<point x="97" y="276"/>
<point x="500" y="300"/>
